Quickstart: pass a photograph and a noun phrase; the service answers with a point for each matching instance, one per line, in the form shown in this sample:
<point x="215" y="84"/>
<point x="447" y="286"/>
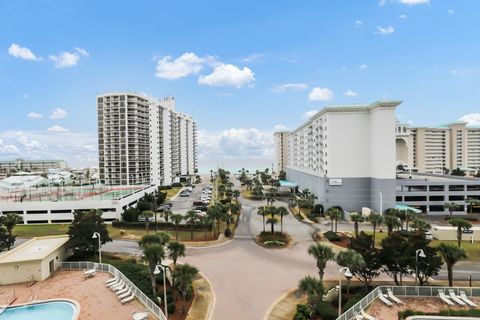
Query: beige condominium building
<point x="143" y="140"/>
<point x="430" y="150"/>
<point x="281" y="150"/>
<point x="346" y="155"/>
<point x="8" y="167"/>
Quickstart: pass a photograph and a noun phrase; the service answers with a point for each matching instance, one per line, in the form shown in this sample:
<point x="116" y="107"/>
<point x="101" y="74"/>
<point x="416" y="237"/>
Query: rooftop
<point x="34" y="249"/>
<point x="435" y="178"/>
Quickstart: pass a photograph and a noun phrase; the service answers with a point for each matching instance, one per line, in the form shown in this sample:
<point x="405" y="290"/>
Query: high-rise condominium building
<point x="144" y="141"/>
<point x="281" y="150"/>
<point x="345" y="155"/>
<point x="430" y="150"/>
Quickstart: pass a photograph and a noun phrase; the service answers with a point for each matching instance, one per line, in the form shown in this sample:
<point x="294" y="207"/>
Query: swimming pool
<point x="54" y="309"/>
<point x="440" y="318"/>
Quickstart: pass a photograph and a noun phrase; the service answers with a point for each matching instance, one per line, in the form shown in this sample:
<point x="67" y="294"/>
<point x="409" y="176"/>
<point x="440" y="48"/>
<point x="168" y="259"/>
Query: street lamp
<point x="348" y="274"/>
<point x="157" y="271"/>
<point x="381" y="203"/>
<point x="96" y="235"/>
<point x="418" y="253"/>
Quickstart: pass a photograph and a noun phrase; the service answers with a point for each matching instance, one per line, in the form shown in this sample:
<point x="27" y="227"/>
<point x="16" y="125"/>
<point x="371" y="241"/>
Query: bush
<point x="138" y="274"/>
<point x="164" y="187"/>
<point x="353" y="301"/>
<point x="274" y="243"/>
<point x="325" y="311"/>
<point x="130" y="215"/>
<point x="177" y="185"/>
<point x="303" y="312"/>
<point x="332" y="236"/>
<point x="228" y="233"/>
<point x="171" y="308"/>
<point x="318" y="210"/>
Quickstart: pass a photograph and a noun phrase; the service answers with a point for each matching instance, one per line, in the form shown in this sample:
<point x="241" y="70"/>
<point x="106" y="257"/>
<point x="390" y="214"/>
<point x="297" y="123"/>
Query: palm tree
<point x="236" y="194"/>
<point x="334" y="214"/>
<point x="451" y="255"/>
<point x="153" y="253"/>
<point x="322" y="255"/>
<point x="262" y="211"/>
<point x="472" y="203"/>
<point x="272" y="222"/>
<point x="391" y="222"/>
<point x="376" y="220"/>
<point x="175" y="251"/>
<point x="461" y="225"/>
<point x="147" y="214"/>
<point x="356" y="218"/>
<point x="227" y="218"/>
<point x="402" y="215"/>
<point x="149" y="239"/>
<point x="451" y="207"/>
<point x="409" y="215"/>
<point x="166" y="215"/>
<point x="420" y="225"/>
<point x="313" y="288"/>
<point x="191" y="218"/>
<point x="282" y="211"/>
<point x="177" y="220"/>
<point x="183" y="278"/>
<point x="352" y="260"/>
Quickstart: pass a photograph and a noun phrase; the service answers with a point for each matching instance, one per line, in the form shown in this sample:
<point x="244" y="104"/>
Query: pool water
<point x="55" y="310"/>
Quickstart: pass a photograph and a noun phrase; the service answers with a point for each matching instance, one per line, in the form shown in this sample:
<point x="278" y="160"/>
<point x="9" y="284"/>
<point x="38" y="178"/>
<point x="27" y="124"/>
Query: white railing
<point x="84" y="265"/>
<point x="404" y="291"/>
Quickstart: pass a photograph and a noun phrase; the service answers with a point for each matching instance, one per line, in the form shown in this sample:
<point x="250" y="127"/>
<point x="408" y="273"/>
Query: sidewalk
<point x="285" y="307"/>
<point x="204" y="301"/>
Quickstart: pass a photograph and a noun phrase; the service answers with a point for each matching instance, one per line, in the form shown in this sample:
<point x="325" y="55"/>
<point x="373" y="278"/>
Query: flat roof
<point x="432" y="177"/>
<point x="34" y="249"/>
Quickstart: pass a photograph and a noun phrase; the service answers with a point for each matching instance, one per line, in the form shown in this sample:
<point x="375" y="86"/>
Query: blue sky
<point x="241" y="68"/>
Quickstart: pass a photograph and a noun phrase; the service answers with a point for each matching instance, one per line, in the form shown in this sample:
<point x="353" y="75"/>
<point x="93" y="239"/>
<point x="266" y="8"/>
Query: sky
<point x="242" y="69"/>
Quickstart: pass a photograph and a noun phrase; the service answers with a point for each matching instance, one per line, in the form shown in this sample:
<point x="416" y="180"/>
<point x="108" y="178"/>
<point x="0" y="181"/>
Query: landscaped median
<point x="204" y="301"/>
<point x="286" y="306"/>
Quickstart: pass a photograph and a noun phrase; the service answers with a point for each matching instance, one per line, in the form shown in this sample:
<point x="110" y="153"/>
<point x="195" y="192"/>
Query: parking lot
<point x="182" y="204"/>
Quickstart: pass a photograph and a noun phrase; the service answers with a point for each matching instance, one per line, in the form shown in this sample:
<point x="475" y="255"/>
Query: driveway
<point x="183" y="204"/>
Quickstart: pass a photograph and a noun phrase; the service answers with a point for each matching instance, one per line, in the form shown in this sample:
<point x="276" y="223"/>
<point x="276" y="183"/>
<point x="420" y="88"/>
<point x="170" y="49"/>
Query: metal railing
<point x="82" y="265"/>
<point x="405" y="291"/>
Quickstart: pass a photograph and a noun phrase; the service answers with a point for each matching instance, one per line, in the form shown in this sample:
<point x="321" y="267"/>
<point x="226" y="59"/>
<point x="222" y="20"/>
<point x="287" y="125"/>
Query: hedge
<point x="161" y="226"/>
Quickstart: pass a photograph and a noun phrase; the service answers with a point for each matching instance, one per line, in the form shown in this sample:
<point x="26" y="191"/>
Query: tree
<point x="81" y="230"/>
<point x="153" y="254"/>
<point x="451" y="207"/>
<point x="177" y="220"/>
<point x="391" y="222"/>
<point x="322" y="255"/>
<point x="263" y="211"/>
<point x="457" y="172"/>
<point x="357" y="219"/>
<point x="227" y="217"/>
<point x="282" y="211"/>
<point x="352" y="260"/>
<point x="461" y="225"/>
<point x="472" y="203"/>
<point x="451" y="255"/>
<point x="175" y="251"/>
<point x="420" y="226"/>
<point x="394" y="257"/>
<point x="365" y="246"/>
<point x="147" y="214"/>
<point x="272" y="222"/>
<point x="6" y="240"/>
<point x="236" y="194"/>
<point x="334" y="214"/>
<point x="313" y="288"/>
<point x="191" y="218"/>
<point x="183" y="276"/>
<point x="376" y="220"/>
<point x="7" y="223"/>
<point x="166" y="215"/>
<point x="428" y="266"/>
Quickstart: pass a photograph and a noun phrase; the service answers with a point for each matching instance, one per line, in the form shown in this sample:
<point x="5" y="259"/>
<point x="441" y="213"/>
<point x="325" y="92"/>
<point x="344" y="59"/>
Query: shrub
<point x="228" y="233"/>
<point x="171" y="308"/>
<point x="318" y="210"/>
<point x="164" y="187"/>
<point x="177" y="185"/>
<point x="332" y="236"/>
<point x="303" y="312"/>
<point x="130" y="215"/>
<point x="325" y="311"/>
<point x="274" y="243"/>
<point x="160" y="225"/>
<point x="353" y="301"/>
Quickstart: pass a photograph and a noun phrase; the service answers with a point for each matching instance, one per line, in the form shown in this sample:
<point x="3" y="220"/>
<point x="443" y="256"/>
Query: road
<point x="183" y="204"/>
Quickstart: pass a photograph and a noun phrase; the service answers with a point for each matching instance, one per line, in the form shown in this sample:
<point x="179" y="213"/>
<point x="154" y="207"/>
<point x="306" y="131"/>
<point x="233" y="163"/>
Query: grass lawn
<point x="172" y="192"/>
<point x="40" y="230"/>
<point x="473" y="250"/>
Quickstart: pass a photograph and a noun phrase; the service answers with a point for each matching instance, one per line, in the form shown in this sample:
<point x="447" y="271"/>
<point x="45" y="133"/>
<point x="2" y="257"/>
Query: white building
<point x="281" y="150"/>
<point x="346" y="156"/>
<point x="142" y="140"/>
<point x="8" y="167"/>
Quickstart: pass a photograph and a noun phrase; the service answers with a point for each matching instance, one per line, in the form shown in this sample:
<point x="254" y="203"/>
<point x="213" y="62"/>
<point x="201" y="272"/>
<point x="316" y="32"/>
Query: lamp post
<point x="381" y="203"/>
<point x="348" y="274"/>
<point x="96" y="235"/>
<point x="164" y="271"/>
<point x="418" y="253"/>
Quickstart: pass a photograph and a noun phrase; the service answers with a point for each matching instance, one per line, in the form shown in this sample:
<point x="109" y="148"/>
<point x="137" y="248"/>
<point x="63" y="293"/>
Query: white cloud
<point x="472" y="119"/>
<point x="464" y="72"/>
<point x="402" y="16"/>
<point x="363" y="66"/>
<point x="350" y="93"/>
<point x="279" y="127"/>
<point x="358" y="23"/>
<point x="57" y="128"/>
<point x="382" y="2"/>
<point x="34" y="115"/>
<point x="78" y="149"/>
<point x="320" y="94"/>
<point x="385" y="30"/>
<point x="58" y="113"/>
<point x="290" y="87"/>
<point x="228" y="75"/>
<point x="65" y="59"/>
<point x="26" y="96"/>
<point x="25" y="53"/>
<point x="309" y="114"/>
<point x="253" y="57"/>
<point x="450" y="11"/>
<point x="187" y="64"/>
<point x="82" y="52"/>
<point x="414" y="2"/>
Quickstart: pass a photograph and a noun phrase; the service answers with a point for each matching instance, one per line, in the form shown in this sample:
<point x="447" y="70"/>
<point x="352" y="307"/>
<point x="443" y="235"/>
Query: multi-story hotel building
<point x="345" y="155"/>
<point x="144" y="141"/>
<point x="281" y="150"/>
<point x="13" y="166"/>
<point x="430" y="150"/>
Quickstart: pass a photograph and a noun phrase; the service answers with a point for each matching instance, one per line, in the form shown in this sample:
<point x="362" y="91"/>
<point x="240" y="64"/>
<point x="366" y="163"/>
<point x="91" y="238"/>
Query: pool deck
<point x="422" y="304"/>
<point x="95" y="299"/>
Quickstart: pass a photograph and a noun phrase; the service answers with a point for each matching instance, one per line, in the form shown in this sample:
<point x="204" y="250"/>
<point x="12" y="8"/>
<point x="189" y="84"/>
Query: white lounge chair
<point x="111" y="280"/>
<point x="464" y="297"/>
<point x="367" y="316"/>
<point x="128" y="299"/>
<point x="444" y="298"/>
<point x="118" y="286"/>
<point x="126" y="294"/>
<point x="136" y="315"/>
<point x="122" y="291"/>
<point x="383" y="299"/>
<point x="123" y="287"/>
<point x="455" y="298"/>
<point x="392" y="297"/>
<point x="114" y="284"/>
<point x="89" y="273"/>
<point x="358" y="316"/>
